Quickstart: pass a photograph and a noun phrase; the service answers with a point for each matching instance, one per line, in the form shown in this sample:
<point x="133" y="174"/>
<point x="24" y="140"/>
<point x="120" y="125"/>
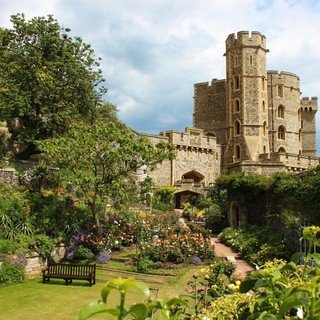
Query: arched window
<point x="237" y="152"/>
<point x="263" y="106"/>
<point x="281" y="112"/>
<point x="237" y="128"/>
<point x="236" y="105"/>
<point x="282" y="133"/>
<point x="236" y="83"/>
<point x="264" y="128"/>
<point x="299" y="135"/>
<point x="264" y="149"/>
<point x="299" y="115"/>
<point x="282" y="150"/>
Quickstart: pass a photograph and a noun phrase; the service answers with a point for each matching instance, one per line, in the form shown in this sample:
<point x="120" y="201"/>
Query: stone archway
<point x="184" y="196"/>
<point x="193" y="175"/>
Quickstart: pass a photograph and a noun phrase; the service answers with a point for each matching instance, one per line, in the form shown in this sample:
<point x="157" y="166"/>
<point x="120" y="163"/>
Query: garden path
<point x="243" y="267"/>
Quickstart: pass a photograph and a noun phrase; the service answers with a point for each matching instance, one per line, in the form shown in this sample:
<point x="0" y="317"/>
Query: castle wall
<point x="308" y="109"/>
<point x="210" y="108"/>
<point x="197" y="163"/>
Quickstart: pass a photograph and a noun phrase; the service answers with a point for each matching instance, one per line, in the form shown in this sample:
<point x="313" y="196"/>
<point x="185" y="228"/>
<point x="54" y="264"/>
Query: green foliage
<point x="166" y="309"/>
<point x="48" y="80"/>
<point x="82" y="253"/>
<point x="8" y="246"/>
<point x="165" y="194"/>
<point x="39" y="243"/>
<point x="11" y="273"/>
<point x="257" y="244"/>
<point x="143" y="264"/>
<point x="287" y="290"/>
<point x="101" y="158"/>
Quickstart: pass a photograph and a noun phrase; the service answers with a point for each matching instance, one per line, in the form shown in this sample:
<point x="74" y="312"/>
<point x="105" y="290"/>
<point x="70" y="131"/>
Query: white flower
<point x="300" y="313"/>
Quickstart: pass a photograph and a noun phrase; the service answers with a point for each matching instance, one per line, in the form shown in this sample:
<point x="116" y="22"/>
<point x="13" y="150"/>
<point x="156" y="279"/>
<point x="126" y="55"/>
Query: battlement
<point x="209" y="84"/>
<point x="243" y="38"/>
<point x="282" y="74"/>
<point x="308" y="103"/>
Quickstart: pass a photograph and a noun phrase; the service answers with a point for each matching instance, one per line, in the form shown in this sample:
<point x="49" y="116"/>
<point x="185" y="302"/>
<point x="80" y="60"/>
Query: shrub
<point x="143" y="264"/>
<point x="11" y="273"/>
<point x="257" y="244"/>
<point x="82" y="252"/>
<point x="8" y="246"/>
<point x="40" y="243"/>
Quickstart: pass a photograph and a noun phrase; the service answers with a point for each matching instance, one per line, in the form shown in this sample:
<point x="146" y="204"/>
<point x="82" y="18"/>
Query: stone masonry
<point x="253" y="121"/>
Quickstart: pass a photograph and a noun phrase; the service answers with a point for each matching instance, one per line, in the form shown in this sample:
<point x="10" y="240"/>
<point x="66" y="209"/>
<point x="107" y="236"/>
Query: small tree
<point x="101" y="159"/>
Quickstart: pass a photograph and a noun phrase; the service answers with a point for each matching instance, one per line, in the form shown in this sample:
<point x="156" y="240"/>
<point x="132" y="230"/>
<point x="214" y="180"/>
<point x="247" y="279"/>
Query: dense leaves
<point x="102" y="158"/>
<point x="48" y="80"/>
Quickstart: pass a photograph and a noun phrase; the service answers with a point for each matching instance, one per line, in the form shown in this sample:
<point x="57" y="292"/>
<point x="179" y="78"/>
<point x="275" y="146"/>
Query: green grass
<point x="54" y="300"/>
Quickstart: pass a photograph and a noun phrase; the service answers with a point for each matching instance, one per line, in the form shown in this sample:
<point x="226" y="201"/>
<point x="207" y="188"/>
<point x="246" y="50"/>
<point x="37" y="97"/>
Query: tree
<point x="101" y="158"/>
<point x="47" y="80"/>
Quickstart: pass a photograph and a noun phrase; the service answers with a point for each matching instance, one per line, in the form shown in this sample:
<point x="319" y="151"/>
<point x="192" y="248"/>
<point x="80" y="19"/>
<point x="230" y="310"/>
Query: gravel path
<point x="243" y="267"/>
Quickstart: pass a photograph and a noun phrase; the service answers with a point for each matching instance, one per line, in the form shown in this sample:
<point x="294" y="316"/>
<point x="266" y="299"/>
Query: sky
<point x="154" y="51"/>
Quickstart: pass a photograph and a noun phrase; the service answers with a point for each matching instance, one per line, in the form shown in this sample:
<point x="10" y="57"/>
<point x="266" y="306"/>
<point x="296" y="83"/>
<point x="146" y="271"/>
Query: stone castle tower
<point x="256" y="115"/>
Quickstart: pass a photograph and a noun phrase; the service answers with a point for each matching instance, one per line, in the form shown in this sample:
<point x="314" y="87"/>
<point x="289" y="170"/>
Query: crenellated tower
<point x="309" y="108"/>
<point x="246" y="97"/>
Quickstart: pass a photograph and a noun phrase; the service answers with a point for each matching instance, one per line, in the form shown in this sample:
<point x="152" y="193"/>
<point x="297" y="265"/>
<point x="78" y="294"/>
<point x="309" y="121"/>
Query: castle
<point x="253" y="121"/>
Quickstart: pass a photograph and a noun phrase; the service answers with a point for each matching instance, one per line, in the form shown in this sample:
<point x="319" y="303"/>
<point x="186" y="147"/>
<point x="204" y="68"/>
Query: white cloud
<point x="154" y="51"/>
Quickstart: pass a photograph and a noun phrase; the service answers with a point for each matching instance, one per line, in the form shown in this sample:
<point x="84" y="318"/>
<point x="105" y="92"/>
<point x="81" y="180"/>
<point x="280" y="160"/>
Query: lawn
<point x="34" y="300"/>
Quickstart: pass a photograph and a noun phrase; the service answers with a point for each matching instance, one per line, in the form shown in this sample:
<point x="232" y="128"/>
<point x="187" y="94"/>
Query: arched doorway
<point x="235" y="215"/>
<point x="184" y="196"/>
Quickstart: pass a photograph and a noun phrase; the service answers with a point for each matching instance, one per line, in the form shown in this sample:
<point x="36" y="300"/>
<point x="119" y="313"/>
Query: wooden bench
<point x="68" y="272"/>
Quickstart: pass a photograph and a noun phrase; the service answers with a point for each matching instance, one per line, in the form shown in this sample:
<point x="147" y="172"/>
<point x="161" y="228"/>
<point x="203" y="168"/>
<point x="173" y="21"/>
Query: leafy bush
<point x="82" y="252"/>
<point x="8" y="246"/>
<point x="143" y="264"/>
<point x="11" y="273"/>
<point x="39" y="243"/>
<point x="257" y="244"/>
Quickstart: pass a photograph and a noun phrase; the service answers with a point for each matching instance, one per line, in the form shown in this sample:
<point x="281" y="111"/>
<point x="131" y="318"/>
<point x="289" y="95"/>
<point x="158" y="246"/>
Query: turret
<point x="247" y="114"/>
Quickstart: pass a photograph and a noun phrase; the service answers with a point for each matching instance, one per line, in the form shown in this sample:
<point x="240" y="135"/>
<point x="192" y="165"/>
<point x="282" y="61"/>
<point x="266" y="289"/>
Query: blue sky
<point x="153" y="51"/>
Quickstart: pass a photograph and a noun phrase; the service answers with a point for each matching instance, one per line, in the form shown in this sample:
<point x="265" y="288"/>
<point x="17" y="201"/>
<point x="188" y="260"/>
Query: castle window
<point x="237" y="152"/>
<point x="263" y="83"/>
<point x="237" y="127"/>
<point x="264" y="128"/>
<point x="282" y="150"/>
<point x="250" y="60"/>
<point x="264" y="149"/>
<point x="236" y="83"/>
<point x="263" y="106"/>
<point x="236" y="105"/>
<point x="299" y="135"/>
<point x="236" y="61"/>
<point x="281" y="112"/>
<point x="281" y="133"/>
<point x="280" y="91"/>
